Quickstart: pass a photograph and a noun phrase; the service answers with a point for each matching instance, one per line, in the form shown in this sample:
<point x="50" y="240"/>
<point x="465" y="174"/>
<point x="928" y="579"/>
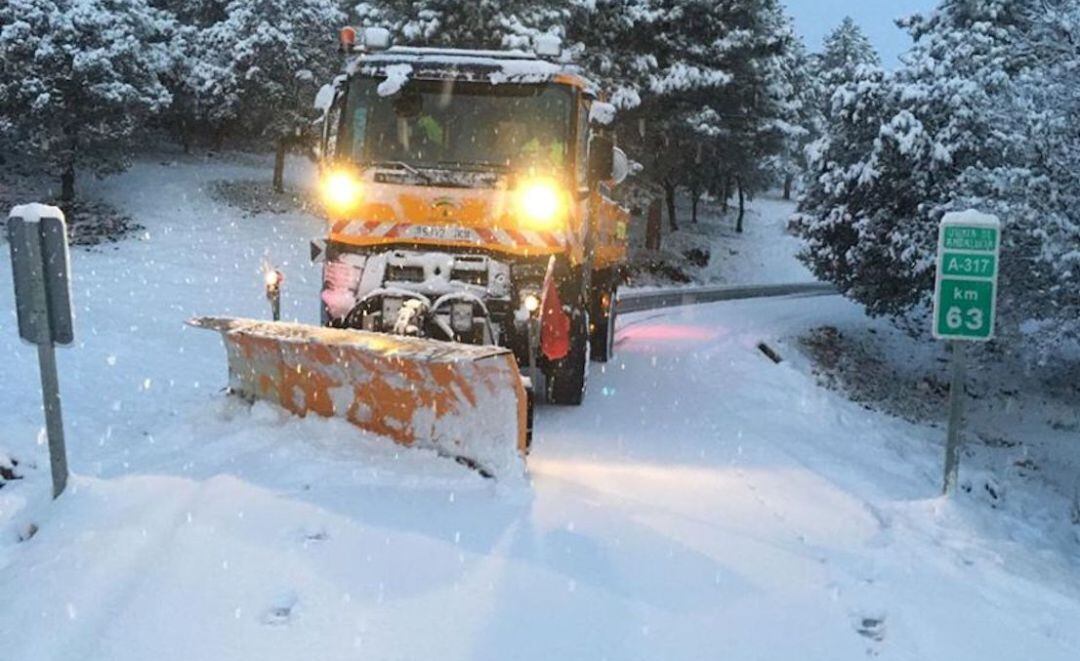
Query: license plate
<point x="440" y="232"/>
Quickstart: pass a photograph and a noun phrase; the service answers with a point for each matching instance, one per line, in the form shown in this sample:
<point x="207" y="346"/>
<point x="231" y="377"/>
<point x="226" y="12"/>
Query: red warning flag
<point x="554" y="322"/>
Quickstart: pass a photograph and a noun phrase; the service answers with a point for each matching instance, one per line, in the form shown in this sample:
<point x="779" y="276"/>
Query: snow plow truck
<point x="473" y="252"/>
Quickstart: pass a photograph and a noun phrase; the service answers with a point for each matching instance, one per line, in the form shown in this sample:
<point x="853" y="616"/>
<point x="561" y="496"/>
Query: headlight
<point x="531" y="302"/>
<point x="341" y="191"/>
<point x="541" y="203"/>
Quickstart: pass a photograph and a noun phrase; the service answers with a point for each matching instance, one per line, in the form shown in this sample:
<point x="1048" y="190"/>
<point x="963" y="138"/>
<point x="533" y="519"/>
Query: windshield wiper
<point x="405" y="166"/>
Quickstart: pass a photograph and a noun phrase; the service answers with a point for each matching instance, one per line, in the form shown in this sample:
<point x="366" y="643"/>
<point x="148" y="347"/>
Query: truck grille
<point x="404" y="273"/>
<point x="479" y="278"/>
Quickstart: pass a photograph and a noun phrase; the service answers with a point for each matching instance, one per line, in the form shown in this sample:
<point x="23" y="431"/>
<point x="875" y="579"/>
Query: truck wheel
<point x="602" y="337"/>
<point x="567" y="378"/>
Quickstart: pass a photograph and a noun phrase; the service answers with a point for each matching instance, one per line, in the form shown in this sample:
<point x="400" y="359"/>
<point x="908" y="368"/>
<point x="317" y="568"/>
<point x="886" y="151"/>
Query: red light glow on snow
<point x="669" y="332"/>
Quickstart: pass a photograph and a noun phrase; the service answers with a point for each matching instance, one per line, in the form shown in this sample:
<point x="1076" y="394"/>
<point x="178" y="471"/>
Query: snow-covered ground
<point x="704" y="502"/>
<point x="763" y="253"/>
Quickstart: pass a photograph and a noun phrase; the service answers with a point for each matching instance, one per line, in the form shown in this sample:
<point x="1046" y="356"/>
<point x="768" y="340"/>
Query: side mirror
<point x="330" y="102"/>
<point x="621" y="166"/>
<point x="601" y="158"/>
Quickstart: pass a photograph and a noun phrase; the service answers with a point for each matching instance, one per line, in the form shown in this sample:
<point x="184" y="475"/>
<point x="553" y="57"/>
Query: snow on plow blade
<point x="463" y="401"/>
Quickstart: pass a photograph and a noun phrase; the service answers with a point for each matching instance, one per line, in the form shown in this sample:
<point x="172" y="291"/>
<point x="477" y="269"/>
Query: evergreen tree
<point x="978" y="116"/>
<point x="847" y="49"/>
<point x="492" y="24"/>
<point x="195" y="66"/>
<point x="799" y="116"/>
<point x="79" y="78"/>
<point x="259" y="69"/>
<point x="745" y="121"/>
<point x="616" y="42"/>
<point x="700" y="83"/>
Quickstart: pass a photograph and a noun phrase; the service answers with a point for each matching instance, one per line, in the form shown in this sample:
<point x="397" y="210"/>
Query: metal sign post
<point x="37" y="235"/>
<point x="965" y="298"/>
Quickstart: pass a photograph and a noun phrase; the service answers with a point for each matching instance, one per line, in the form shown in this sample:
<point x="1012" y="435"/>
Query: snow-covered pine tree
<point x="260" y="68"/>
<point x="656" y="57"/>
<point x="194" y="66"/>
<point x="616" y="42"/>
<point x="745" y="121"/>
<point x="800" y="121"/>
<point x="815" y="77"/>
<point x="78" y="79"/>
<point x="978" y="116"/>
<point x="705" y="94"/>
<point x="493" y="24"/>
<point x="198" y="13"/>
<point x="697" y="55"/>
<point x="846" y="49"/>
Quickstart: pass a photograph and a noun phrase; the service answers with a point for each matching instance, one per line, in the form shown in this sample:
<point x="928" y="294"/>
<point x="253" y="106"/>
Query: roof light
<point x="347" y="38"/>
<point x="547" y="45"/>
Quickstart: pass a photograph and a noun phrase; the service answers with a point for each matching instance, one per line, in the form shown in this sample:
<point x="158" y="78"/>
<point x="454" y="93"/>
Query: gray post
<point x="40" y="273"/>
<point x="54" y="422"/>
<point x="956" y="417"/>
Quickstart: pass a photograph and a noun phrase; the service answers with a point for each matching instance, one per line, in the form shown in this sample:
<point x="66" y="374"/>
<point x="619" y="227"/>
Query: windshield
<point x="456" y="124"/>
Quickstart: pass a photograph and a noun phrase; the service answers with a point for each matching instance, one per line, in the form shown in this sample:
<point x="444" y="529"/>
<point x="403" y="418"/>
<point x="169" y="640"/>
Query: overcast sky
<point x="815" y="18"/>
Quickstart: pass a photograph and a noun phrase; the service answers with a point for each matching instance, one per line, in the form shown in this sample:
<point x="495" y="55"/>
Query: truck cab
<point x="467" y="196"/>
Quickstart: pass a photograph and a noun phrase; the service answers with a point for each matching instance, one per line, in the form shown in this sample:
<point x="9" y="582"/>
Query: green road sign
<point x="969" y="244"/>
<point x="967" y="237"/>
<point x="978" y="266"/>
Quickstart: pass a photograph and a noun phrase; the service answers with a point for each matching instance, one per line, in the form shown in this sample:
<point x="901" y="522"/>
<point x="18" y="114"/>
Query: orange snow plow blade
<point x="463" y="401"/>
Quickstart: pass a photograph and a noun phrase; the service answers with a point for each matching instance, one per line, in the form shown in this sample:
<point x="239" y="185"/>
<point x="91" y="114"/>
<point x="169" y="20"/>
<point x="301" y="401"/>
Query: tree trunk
<point x="789" y="181"/>
<point x="219" y="138"/>
<point x="742" y="205"/>
<point x="279" y="166"/>
<point x="185" y="136"/>
<point x="669" y="193"/>
<point x="652" y="225"/>
<point x="695" y="196"/>
<point x="67" y="184"/>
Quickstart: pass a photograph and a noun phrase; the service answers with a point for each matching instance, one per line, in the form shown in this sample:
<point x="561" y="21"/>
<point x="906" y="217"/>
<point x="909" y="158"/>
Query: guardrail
<point x="639" y="301"/>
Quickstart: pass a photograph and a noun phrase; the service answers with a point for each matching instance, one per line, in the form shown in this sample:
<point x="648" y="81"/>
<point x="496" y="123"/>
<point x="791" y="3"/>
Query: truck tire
<point x="602" y="337"/>
<point x="567" y="378"/>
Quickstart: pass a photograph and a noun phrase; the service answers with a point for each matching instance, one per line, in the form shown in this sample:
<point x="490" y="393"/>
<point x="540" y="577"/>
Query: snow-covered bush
<point x="78" y="78"/>
<point x="980" y="115"/>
